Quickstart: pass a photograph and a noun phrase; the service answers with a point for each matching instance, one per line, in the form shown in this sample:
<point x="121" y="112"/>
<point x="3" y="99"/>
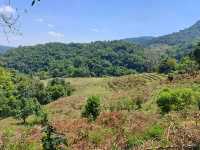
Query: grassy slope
<point x="65" y="112"/>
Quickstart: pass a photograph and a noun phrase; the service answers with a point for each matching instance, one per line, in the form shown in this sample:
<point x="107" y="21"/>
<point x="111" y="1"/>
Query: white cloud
<point x="50" y="25"/>
<point x="7" y="11"/>
<point x="56" y="34"/>
<point x="41" y="20"/>
<point x="95" y="30"/>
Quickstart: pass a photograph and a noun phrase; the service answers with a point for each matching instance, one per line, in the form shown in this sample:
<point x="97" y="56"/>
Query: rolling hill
<point x="177" y="44"/>
<point x="108" y="58"/>
<point x="3" y="49"/>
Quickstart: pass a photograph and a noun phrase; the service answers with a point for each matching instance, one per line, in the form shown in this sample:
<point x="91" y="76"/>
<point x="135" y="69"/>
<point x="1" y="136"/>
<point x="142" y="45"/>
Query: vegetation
<point x="139" y="110"/>
<point x="175" y="99"/>
<point x="92" y="108"/>
<point x="98" y="59"/>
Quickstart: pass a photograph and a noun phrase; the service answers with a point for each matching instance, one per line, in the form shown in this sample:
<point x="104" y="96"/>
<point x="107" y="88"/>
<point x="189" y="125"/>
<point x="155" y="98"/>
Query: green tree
<point x="52" y="140"/>
<point x="167" y="65"/>
<point x="175" y="99"/>
<point x="27" y="107"/>
<point x="196" y="53"/>
<point x="92" y="108"/>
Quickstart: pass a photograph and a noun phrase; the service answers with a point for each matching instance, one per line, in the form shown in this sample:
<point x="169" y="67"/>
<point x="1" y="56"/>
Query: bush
<point x="134" y="141"/>
<point x="175" y="99"/>
<point x="92" y="108"/>
<point x="57" y="88"/>
<point x="154" y="132"/>
<point x="123" y="104"/>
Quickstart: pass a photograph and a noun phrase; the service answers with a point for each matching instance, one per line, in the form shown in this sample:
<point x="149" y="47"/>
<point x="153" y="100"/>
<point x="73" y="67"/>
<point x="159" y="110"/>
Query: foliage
<point x="27" y="107"/>
<point x="112" y="58"/>
<point x="57" y="88"/>
<point x="187" y="65"/>
<point x="92" y="108"/>
<point x="196" y="53"/>
<point x="154" y="132"/>
<point x="175" y="99"/>
<point x="52" y="140"/>
<point x="123" y="104"/>
<point x="167" y="65"/>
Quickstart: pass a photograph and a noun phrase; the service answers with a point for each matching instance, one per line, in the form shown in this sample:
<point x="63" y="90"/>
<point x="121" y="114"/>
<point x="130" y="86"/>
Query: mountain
<point x="177" y="44"/>
<point x="3" y="49"/>
<point x="101" y="58"/>
<point x="140" y="40"/>
<point x="187" y="35"/>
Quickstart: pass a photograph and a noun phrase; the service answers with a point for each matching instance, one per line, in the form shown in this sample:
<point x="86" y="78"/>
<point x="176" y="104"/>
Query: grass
<point x="117" y="128"/>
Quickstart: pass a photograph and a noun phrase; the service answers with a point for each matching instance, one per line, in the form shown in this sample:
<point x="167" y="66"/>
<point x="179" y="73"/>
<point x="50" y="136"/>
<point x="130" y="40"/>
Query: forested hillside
<point x="112" y="58"/>
<point x="3" y="49"/>
<point x="176" y="44"/>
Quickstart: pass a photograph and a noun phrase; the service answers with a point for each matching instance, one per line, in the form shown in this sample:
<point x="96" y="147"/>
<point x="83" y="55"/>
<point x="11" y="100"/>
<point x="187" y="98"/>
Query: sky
<point x="91" y="20"/>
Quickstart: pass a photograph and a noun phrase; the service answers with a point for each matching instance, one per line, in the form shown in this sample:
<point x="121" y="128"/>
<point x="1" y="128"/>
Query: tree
<point x="52" y="140"/>
<point x="92" y="108"/>
<point x="7" y="91"/>
<point x="175" y="99"/>
<point x="57" y="88"/>
<point x="167" y="66"/>
<point x="196" y="53"/>
<point x="187" y="65"/>
<point x="27" y="107"/>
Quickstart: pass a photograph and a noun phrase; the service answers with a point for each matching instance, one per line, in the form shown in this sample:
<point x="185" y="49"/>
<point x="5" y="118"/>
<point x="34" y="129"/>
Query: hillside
<point x="111" y="58"/>
<point x="177" y="44"/>
<point x="120" y="125"/>
<point x="3" y="49"/>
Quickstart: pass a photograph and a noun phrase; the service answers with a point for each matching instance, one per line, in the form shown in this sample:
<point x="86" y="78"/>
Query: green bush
<point x="154" y="132"/>
<point x="92" y="108"/>
<point x="175" y="99"/>
<point x="57" y="88"/>
<point x="134" y="141"/>
<point x="123" y="104"/>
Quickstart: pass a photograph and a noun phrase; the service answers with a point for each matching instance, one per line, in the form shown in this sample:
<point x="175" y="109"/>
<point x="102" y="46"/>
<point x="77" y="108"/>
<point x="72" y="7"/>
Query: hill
<point x="177" y="44"/>
<point x="109" y="58"/>
<point x="3" y="49"/>
<point x="120" y="124"/>
<point x="140" y="40"/>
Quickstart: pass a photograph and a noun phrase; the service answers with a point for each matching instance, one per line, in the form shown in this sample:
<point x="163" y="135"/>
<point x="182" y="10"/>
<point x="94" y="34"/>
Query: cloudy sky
<point x="91" y="20"/>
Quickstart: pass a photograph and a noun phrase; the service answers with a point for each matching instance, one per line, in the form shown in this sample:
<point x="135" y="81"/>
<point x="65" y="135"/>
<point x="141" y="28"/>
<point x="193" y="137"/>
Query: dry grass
<point x="111" y="129"/>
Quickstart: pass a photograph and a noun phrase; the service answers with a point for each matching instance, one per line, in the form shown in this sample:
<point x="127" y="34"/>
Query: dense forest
<point x="110" y="58"/>
<point x="101" y="58"/>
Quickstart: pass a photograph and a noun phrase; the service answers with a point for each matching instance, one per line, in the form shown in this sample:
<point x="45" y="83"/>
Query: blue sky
<point x="91" y="20"/>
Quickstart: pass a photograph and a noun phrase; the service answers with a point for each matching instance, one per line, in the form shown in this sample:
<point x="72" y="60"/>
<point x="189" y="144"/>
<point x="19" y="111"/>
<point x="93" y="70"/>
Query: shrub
<point x="97" y="136"/>
<point x="198" y="103"/>
<point x="175" y="99"/>
<point x="57" y="88"/>
<point x="154" y="132"/>
<point x="134" y="141"/>
<point x="92" y="108"/>
<point x="52" y="140"/>
<point x="123" y="104"/>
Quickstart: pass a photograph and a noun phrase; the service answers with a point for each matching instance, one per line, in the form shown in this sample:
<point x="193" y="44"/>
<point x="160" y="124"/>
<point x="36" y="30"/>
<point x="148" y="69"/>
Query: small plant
<point x="123" y="104"/>
<point x="154" y="132"/>
<point x="134" y="141"/>
<point x="198" y="104"/>
<point x="51" y="139"/>
<point x="92" y="108"/>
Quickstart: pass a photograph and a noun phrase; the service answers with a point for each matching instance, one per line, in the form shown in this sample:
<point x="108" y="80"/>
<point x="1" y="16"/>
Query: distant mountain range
<point x="187" y="35"/>
<point x="176" y="44"/>
<point x="3" y="49"/>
